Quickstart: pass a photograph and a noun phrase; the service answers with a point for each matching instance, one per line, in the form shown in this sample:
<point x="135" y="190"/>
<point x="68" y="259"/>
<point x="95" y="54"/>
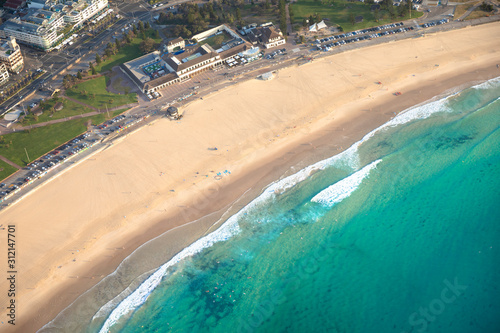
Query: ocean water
<point x="400" y="233"/>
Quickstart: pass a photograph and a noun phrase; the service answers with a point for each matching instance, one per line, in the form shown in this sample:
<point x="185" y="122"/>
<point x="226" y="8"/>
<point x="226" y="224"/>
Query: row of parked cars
<point x="111" y="122"/>
<point x="431" y="24"/>
<point x="275" y="53"/>
<point x="357" y="33"/>
<point x="356" y="37"/>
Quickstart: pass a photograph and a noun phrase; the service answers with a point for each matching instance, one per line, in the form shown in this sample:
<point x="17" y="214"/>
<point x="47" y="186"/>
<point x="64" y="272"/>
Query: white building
<point x="267" y="35"/>
<point x="42" y="28"/>
<point x="77" y="12"/>
<point x="38" y="28"/>
<point x="4" y="74"/>
<point x="178" y="42"/>
<point x="10" y="55"/>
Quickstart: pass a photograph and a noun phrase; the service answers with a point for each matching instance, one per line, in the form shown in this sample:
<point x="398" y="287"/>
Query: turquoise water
<point x="398" y="234"/>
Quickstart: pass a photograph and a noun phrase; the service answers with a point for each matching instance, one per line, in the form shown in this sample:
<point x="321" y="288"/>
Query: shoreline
<point x="301" y="147"/>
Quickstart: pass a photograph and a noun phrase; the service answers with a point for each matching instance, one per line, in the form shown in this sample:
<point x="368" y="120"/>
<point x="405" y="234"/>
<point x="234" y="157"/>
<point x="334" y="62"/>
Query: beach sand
<point x="77" y="229"/>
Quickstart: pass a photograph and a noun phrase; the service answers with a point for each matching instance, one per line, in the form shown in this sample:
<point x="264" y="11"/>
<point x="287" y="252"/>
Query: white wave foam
<point x="343" y="188"/>
<point x="493" y="83"/>
<point x="230" y="227"/>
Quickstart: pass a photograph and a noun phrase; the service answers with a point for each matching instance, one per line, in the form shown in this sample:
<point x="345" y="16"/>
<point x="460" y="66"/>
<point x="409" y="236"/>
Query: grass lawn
<point x="477" y="14"/>
<point x="97" y="95"/>
<point x="340" y="13"/>
<point x="461" y="9"/>
<point x="6" y="170"/>
<point x="251" y="14"/>
<point x="216" y="41"/>
<point x="126" y="53"/>
<point x="42" y="140"/>
<point x="70" y="109"/>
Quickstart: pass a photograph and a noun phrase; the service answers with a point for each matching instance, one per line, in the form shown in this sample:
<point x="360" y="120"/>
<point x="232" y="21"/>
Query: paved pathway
<point x="55" y="121"/>
<point x="10" y="162"/>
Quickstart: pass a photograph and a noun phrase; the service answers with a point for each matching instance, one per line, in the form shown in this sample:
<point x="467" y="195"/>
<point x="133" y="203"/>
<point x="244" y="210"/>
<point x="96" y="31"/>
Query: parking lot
<point x="326" y="44"/>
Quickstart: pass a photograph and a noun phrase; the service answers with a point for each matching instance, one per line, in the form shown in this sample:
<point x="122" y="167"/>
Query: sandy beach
<point x="74" y="231"/>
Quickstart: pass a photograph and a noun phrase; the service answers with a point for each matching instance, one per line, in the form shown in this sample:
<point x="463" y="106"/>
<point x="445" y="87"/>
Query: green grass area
<point x="70" y="108"/>
<point x="216" y="41"/>
<point x="341" y="11"/>
<point x="126" y="53"/>
<point x="252" y="14"/>
<point x="93" y="92"/>
<point x="6" y="170"/>
<point x="39" y="141"/>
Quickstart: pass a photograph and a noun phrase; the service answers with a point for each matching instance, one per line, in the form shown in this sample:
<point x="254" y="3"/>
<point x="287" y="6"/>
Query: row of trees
<point x="147" y="45"/>
<point x="191" y="19"/>
<point x="18" y="84"/>
<point x="282" y="11"/>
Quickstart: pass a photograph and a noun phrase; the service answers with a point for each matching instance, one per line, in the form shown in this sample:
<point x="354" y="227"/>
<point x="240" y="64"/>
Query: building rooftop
<point x="35" y="22"/>
<point x="135" y="66"/>
<point x="191" y="57"/>
<point x="7" y="47"/>
<point x="175" y="41"/>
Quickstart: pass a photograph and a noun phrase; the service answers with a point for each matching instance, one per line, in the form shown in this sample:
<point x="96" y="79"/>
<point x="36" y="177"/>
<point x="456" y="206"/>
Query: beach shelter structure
<point x="317" y="26"/>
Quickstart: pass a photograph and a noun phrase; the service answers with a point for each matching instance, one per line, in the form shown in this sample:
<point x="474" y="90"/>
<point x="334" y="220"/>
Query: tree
<point x="147" y="45"/>
<point x="92" y="69"/>
<point x="238" y="15"/>
<point x="157" y="34"/>
<point x="142" y="35"/>
<point x="117" y="43"/>
<point x="351" y="18"/>
<point x="302" y="39"/>
<point x="147" y="25"/>
<point x="79" y="75"/>
<point x="485" y="7"/>
<point x="140" y="25"/>
<point x="97" y="58"/>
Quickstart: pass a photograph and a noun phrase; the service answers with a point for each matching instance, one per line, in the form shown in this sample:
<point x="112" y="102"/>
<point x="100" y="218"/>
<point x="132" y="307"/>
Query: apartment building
<point x="38" y="28"/>
<point x="10" y="55"/>
<point x="42" y="28"/>
<point x="4" y="74"/>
